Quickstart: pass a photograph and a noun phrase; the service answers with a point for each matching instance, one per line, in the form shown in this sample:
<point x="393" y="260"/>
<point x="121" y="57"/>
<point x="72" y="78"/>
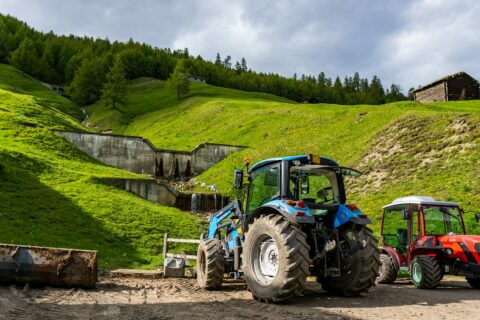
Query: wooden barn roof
<point x="451" y="76"/>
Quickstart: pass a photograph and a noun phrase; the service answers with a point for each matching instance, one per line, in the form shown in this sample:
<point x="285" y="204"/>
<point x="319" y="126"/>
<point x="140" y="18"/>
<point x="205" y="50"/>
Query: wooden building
<point x="458" y="86"/>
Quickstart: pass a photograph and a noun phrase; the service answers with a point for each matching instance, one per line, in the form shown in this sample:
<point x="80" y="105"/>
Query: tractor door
<point x="395" y="232"/>
<point x="264" y="186"/>
<point x="416" y="230"/>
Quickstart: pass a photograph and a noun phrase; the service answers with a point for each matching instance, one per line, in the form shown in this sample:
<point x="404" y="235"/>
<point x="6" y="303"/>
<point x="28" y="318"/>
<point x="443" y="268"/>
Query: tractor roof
<point x="265" y="162"/>
<point x="420" y="200"/>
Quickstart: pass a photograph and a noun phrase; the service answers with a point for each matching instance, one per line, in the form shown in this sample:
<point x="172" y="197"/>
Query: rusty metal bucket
<point x="44" y="266"/>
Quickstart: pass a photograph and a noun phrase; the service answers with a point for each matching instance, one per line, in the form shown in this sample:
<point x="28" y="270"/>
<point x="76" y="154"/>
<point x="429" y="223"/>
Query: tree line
<point x="90" y="68"/>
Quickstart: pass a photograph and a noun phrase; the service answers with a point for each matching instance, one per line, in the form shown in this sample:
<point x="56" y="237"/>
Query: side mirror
<point x="237" y="179"/>
<point x="304" y="185"/>
<point x="406" y="214"/>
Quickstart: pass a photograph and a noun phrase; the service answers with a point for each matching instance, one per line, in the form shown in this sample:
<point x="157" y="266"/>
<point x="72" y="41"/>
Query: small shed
<point x="458" y="86"/>
<point x="193" y="78"/>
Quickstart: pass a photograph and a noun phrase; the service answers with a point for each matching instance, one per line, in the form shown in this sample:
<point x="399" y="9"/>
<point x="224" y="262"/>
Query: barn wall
<point x="432" y="94"/>
<point x="462" y="88"/>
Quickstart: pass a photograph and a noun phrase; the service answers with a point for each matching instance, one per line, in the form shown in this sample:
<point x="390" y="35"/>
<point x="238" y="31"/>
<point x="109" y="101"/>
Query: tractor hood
<point x="464" y="247"/>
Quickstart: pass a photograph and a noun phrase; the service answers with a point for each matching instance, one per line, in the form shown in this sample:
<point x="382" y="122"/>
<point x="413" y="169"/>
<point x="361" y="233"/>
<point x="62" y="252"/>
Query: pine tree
<point x="238" y="67"/>
<point x="25" y="57"/>
<point x="115" y="89"/>
<point x="87" y="83"/>
<point x="218" y="60"/>
<point x="244" y="65"/>
<point x="227" y="63"/>
<point x="179" y="81"/>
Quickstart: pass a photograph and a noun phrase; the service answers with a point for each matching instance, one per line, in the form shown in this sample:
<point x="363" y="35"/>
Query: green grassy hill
<point x="51" y="194"/>
<point x="403" y="148"/>
<point x="14" y="80"/>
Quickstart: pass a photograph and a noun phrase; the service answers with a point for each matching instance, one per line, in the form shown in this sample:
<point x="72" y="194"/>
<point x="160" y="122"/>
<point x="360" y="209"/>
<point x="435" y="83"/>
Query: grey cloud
<point x="406" y="42"/>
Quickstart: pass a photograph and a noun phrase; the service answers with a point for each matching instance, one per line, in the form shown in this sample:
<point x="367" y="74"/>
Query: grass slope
<point x="426" y="155"/>
<point x="51" y="194"/>
<point x="14" y="80"/>
<point x="147" y="95"/>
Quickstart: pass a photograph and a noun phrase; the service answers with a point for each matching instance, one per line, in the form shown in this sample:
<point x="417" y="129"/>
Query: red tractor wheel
<point x="426" y="272"/>
<point x="388" y="271"/>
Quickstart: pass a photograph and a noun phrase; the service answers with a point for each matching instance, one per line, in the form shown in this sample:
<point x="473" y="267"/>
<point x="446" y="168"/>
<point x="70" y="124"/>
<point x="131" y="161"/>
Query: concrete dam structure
<point x="162" y="193"/>
<point x="139" y="155"/>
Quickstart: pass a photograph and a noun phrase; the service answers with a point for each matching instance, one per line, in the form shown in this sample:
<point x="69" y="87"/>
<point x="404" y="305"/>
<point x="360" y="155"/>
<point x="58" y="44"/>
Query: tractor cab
<point x="303" y="187"/>
<point x="419" y="230"/>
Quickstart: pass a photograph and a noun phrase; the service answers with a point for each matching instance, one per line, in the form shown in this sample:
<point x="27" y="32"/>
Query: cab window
<point x="264" y="186"/>
<point x="442" y="220"/>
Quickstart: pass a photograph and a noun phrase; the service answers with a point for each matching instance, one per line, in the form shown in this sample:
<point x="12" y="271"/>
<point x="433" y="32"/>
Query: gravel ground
<point x="133" y="298"/>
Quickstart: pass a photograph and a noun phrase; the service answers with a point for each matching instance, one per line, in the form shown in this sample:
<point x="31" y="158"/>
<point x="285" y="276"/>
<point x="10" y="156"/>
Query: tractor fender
<point x="273" y="209"/>
<point x="431" y="251"/>
<point x="393" y="255"/>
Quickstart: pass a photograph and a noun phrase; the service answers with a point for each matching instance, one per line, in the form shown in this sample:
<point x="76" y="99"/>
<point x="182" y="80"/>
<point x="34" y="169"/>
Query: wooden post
<point x="165" y="249"/>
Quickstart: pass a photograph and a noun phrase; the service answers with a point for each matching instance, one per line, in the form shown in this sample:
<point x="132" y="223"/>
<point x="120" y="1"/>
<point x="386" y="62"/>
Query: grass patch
<point x="435" y="159"/>
<point x="14" y="80"/>
<point x="51" y="194"/>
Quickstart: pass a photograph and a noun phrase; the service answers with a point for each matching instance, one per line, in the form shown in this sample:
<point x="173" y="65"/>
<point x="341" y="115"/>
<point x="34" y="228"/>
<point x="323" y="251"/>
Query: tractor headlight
<point x="449" y="251"/>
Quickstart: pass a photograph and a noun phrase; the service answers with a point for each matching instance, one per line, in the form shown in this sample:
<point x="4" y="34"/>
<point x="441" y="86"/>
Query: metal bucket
<point x="44" y="266"/>
<point x="174" y="267"/>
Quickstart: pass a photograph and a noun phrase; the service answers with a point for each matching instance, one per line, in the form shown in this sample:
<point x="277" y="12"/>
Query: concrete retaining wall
<point x="139" y="155"/>
<point x="148" y="189"/>
<point x="162" y="193"/>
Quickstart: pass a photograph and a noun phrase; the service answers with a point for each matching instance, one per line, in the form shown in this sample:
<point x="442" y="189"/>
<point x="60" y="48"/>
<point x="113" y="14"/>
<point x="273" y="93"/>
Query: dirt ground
<point x="132" y="298"/>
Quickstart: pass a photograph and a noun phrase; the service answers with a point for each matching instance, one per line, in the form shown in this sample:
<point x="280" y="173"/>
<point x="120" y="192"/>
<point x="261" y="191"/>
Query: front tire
<point x="474" y="282"/>
<point x="210" y="264"/>
<point x="275" y="259"/>
<point x="359" y="270"/>
<point x="388" y="271"/>
<point x="426" y="272"/>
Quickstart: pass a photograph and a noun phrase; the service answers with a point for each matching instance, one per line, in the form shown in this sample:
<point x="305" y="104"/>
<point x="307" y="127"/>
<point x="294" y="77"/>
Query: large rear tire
<point x="474" y="282"/>
<point x="426" y="272"/>
<point x="359" y="270"/>
<point x="275" y="259"/>
<point x="210" y="264"/>
<point x="388" y="271"/>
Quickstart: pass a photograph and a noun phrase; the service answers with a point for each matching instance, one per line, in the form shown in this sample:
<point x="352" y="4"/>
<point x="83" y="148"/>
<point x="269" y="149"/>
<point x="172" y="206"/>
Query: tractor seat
<point x="402" y="240"/>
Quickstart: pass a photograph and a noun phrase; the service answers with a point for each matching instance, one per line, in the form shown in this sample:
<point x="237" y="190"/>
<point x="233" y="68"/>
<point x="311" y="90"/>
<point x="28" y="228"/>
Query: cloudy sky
<point x="402" y="41"/>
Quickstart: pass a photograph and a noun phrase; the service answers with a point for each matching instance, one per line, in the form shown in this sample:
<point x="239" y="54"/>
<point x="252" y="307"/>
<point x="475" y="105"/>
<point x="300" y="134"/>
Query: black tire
<point x="474" y="282"/>
<point x="210" y="264"/>
<point x="426" y="272"/>
<point x="292" y="260"/>
<point x="358" y="271"/>
<point x="388" y="271"/>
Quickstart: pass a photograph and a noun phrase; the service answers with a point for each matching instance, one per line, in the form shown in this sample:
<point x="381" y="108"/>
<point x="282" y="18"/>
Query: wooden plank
<point x="183" y="240"/>
<point x="137" y="273"/>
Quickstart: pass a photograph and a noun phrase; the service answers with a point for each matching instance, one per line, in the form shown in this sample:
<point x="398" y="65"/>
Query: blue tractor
<point x="293" y="222"/>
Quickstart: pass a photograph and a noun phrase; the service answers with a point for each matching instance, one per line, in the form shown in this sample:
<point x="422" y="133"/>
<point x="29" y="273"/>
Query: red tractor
<point x="427" y="238"/>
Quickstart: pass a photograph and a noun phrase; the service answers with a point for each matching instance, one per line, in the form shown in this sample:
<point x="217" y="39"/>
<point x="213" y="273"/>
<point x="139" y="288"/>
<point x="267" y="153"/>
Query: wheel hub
<point x="417" y="272"/>
<point x="269" y="258"/>
<point x="265" y="258"/>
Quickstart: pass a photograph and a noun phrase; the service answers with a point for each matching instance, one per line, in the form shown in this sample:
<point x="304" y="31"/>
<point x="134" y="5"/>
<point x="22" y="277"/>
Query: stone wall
<point x="139" y="155"/>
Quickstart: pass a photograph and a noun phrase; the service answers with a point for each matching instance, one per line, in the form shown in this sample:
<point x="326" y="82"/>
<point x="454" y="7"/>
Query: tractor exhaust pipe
<point x="42" y="266"/>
